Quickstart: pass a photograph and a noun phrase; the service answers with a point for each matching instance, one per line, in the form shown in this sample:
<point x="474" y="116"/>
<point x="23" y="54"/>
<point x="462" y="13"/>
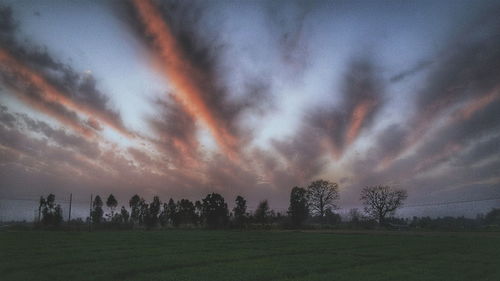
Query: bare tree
<point x="322" y="195"/>
<point x="381" y="200"/>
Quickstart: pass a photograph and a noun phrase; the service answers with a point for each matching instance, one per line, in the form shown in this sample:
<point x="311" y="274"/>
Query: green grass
<point x="233" y="255"/>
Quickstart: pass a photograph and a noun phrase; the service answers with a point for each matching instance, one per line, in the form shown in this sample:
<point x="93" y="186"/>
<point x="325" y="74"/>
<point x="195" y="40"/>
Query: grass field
<point x="233" y="255"/>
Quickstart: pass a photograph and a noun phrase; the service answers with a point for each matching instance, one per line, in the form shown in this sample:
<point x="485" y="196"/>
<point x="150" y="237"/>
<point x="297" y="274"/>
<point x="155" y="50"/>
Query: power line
<point x="448" y="203"/>
<point x="404" y="206"/>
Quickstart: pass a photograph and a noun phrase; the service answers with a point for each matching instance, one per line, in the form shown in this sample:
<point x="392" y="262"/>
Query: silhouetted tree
<point x="240" y="211"/>
<point x="214" y="210"/>
<point x="40" y="206"/>
<point x="135" y="210"/>
<point x="262" y="213"/>
<point x="143" y="211"/>
<point x="331" y="217"/>
<point x="152" y="212"/>
<point x="97" y="211"/>
<point x="163" y="218"/>
<point x="493" y="217"/>
<point x="321" y="196"/>
<point x="51" y="213"/>
<point x="380" y="200"/>
<point x="111" y="203"/>
<point x="124" y="215"/>
<point x="298" y="209"/>
<point x="185" y="212"/>
<point x="171" y="213"/>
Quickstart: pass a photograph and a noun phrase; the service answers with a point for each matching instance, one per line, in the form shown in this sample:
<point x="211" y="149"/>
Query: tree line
<point x="315" y="203"/>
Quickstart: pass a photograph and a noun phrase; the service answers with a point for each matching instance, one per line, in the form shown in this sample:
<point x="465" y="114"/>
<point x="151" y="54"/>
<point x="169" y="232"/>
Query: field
<point x="233" y="255"/>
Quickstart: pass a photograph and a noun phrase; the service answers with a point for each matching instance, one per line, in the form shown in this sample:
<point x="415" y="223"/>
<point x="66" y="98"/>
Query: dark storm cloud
<point x="36" y="66"/>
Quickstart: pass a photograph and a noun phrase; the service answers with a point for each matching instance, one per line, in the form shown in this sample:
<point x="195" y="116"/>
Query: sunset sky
<point x="249" y="98"/>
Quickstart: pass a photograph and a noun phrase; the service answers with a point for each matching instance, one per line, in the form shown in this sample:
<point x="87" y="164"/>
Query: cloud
<point x="466" y="73"/>
<point x="362" y="98"/>
<point x="56" y="83"/>
<point x="190" y="60"/>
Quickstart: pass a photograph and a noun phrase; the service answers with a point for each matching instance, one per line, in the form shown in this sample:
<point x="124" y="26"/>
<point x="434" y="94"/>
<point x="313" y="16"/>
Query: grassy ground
<point x="233" y="255"/>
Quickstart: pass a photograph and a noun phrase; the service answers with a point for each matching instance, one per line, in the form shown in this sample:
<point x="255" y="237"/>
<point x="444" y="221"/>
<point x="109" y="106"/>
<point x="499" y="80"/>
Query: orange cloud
<point x="359" y="114"/>
<point x="50" y="94"/>
<point x="183" y="76"/>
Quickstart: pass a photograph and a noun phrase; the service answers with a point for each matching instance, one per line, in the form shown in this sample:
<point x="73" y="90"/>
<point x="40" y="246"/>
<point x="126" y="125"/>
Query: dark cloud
<point x="410" y="72"/>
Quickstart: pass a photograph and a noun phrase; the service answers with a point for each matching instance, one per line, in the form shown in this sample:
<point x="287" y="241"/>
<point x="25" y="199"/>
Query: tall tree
<point x="298" y="209"/>
<point x="51" y="213"/>
<point x="111" y="203"/>
<point x="135" y="208"/>
<point x="263" y="213"/>
<point x="214" y="210"/>
<point x="185" y="212"/>
<point x="240" y="210"/>
<point x="124" y="215"/>
<point x="322" y="195"/>
<point x="153" y="212"/>
<point x="381" y="200"/>
<point x="172" y="214"/>
<point x="97" y="211"/>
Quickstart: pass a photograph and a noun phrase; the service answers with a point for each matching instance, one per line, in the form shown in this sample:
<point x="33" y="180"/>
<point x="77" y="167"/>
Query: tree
<point x="493" y="217"/>
<point x="322" y="195"/>
<point x="40" y="206"/>
<point x="163" y="218"/>
<point x="134" y="208"/>
<point x="185" y="212"/>
<point x="111" y="203"/>
<point x="124" y="215"/>
<point x="97" y="211"/>
<point x="240" y="211"/>
<point x="214" y="210"/>
<point x="263" y="212"/>
<point x="171" y="212"/>
<point x="298" y="209"/>
<point x="151" y="212"/>
<point x="51" y="213"/>
<point x="381" y="200"/>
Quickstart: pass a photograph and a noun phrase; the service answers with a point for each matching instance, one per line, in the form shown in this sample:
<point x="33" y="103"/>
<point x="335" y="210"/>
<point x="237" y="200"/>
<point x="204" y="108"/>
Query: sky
<point x="181" y="99"/>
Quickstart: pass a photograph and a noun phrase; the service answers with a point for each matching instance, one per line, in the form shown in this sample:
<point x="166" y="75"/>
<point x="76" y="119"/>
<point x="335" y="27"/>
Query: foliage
<point x="240" y="211"/>
<point x="111" y="203"/>
<point x="51" y="213"/>
<point x="263" y="213"/>
<point x="214" y="210"/>
<point x="97" y="211"/>
<point x="185" y="212"/>
<point x="298" y="209"/>
<point x="135" y="212"/>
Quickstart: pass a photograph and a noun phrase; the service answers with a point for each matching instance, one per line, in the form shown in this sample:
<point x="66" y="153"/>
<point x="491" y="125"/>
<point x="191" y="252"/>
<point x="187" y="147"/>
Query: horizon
<point x="182" y="99"/>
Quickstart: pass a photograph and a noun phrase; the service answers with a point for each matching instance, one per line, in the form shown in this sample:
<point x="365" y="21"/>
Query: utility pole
<point x="90" y="214"/>
<point x="69" y="213"/>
